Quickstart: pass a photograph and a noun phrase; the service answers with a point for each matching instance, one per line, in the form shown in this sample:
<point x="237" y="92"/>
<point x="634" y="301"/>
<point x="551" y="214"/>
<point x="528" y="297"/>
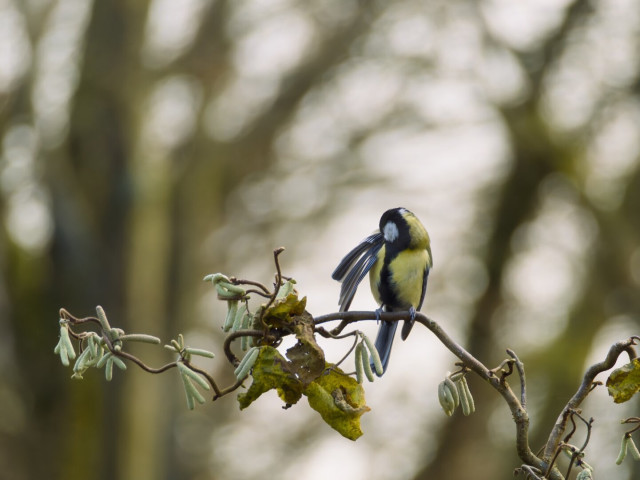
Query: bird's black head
<point x="394" y="227"/>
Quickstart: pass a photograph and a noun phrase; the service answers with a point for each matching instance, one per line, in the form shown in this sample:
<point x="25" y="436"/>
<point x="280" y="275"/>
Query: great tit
<point x="398" y="259"/>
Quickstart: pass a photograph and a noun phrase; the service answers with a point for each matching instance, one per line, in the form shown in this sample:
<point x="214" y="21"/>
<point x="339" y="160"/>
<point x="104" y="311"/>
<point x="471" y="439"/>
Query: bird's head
<point x="402" y="229"/>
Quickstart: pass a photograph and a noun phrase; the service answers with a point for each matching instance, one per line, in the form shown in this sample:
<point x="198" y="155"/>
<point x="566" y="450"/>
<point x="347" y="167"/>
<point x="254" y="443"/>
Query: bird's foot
<point x="378" y="313"/>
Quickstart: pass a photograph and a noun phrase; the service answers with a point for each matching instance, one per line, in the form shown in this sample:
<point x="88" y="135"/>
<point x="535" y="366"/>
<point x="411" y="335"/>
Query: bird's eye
<point x="390" y="232"/>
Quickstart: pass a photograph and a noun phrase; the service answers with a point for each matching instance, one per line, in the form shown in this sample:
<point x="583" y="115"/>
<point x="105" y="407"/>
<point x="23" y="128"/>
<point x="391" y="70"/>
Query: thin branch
<point x="580" y="453"/>
<point x="574" y="427"/>
<point x="238" y="281"/>
<point x="632" y="420"/>
<point x="585" y="388"/>
<point x="276" y="254"/>
<point x="350" y="350"/>
<point x="278" y="282"/>
<point x="500" y="368"/>
<point x="523" y="382"/>
<point x="258" y="292"/>
<point x="238" y="334"/>
<point x="65" y="315"/>
<point x="141" y="364"/>
<point x="226" y="391"/>
<point x="209" y="378"/>
<point x="561" y="445"/>
<point x="519" y="414"/>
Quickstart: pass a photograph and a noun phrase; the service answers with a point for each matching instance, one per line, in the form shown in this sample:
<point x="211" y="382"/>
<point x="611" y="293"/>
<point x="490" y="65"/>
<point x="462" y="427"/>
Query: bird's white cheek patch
<point x="390" y="232"/>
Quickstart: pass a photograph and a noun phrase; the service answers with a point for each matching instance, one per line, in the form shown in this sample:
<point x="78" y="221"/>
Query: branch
<point x="585" y="388"/>
<point x="290" y="318"/>
<point x="523" y="382"/>
<point x="520" y="415"/>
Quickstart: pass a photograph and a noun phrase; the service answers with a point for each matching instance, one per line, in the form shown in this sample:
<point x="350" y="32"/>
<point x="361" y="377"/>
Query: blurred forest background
<point x="144" y="144"/>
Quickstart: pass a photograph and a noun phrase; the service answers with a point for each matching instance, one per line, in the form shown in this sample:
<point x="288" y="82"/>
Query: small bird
<point x="398" y="259"/>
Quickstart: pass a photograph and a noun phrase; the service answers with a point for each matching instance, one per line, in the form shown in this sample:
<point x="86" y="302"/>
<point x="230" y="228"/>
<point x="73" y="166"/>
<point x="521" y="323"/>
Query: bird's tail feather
<point x="384" y="341"/>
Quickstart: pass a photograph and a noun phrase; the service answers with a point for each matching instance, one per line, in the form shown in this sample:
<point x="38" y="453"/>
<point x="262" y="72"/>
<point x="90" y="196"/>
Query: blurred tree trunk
<point x="94" y="195"/>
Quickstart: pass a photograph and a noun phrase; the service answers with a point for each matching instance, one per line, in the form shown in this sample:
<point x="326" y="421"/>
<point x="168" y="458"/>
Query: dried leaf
<point x="306" y="356"/>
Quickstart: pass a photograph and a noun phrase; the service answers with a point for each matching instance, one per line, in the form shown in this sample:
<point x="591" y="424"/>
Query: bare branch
<point x="238" y="334"/>
<point x="523" y="382"/>
<point x="520" y="416"/>
<point x="584" y="389"/>
<point x="534" y="466"/>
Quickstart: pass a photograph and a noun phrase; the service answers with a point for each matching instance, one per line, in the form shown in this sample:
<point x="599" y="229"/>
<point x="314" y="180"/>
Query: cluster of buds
<point x="188" y="375"/>
<point x="628" y="445"/>
<point x="97" y="351"/>
<point x="363" y="362"/>
<point x="453" y="392"/>
<point x="238" y="316"/>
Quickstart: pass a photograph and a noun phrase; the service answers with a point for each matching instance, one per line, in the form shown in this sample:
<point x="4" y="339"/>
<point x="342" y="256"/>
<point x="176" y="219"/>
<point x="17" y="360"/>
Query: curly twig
<point x="238" y="334"/>
<point x="238" y="281"/>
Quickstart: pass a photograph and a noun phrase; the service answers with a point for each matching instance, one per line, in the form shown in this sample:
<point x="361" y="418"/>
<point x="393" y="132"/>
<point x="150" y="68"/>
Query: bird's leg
<point x="412" y="314"/>
<point x="379" y="312"/>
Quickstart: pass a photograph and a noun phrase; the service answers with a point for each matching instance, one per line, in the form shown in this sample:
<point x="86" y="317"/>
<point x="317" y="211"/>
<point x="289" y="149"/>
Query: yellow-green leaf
<point x="624" y="382"/>
<point x="270" y="371"/>
<point x="339" y="399"/>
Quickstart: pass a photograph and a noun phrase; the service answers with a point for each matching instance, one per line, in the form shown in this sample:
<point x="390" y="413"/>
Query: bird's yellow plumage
<point x="407" y="272"/>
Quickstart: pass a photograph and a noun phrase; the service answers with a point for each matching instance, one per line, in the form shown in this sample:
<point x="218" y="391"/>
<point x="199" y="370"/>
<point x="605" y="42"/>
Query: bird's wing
<point x="408" y="324"/>
<point x="425" y="277"/>
<point x="355" y="266"/>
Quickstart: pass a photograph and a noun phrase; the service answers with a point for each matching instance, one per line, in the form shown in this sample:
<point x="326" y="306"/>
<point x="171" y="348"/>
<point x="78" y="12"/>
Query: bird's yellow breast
<point x="407" y="274"/>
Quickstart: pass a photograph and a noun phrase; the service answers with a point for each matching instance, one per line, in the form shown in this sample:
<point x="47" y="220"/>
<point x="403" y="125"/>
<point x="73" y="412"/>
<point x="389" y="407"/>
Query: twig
<point x="350" y="350"/>
<point x="258" y="292"/>
<point x="505" y="373"/>
<point x="64" y="314"/>
<point x="278" y="282"/>
<point x="574" y="427"/>
<point x="238" y="334"/>
<point x="584" y="389"/>
<point x="140" y="363"/>
<point x="276" y="254"/>
<point x="209" y="378"/>
<point x="561" y="445"/>
<point x="523" y="382"/>
<point x="226" y="391"/>
<point x="633" y="420"/>
<point x="577" y="454"/>
<point x="238" y="281"/>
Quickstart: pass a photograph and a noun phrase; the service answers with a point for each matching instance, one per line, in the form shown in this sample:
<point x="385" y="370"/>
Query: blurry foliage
<point x="140" y="139"/>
